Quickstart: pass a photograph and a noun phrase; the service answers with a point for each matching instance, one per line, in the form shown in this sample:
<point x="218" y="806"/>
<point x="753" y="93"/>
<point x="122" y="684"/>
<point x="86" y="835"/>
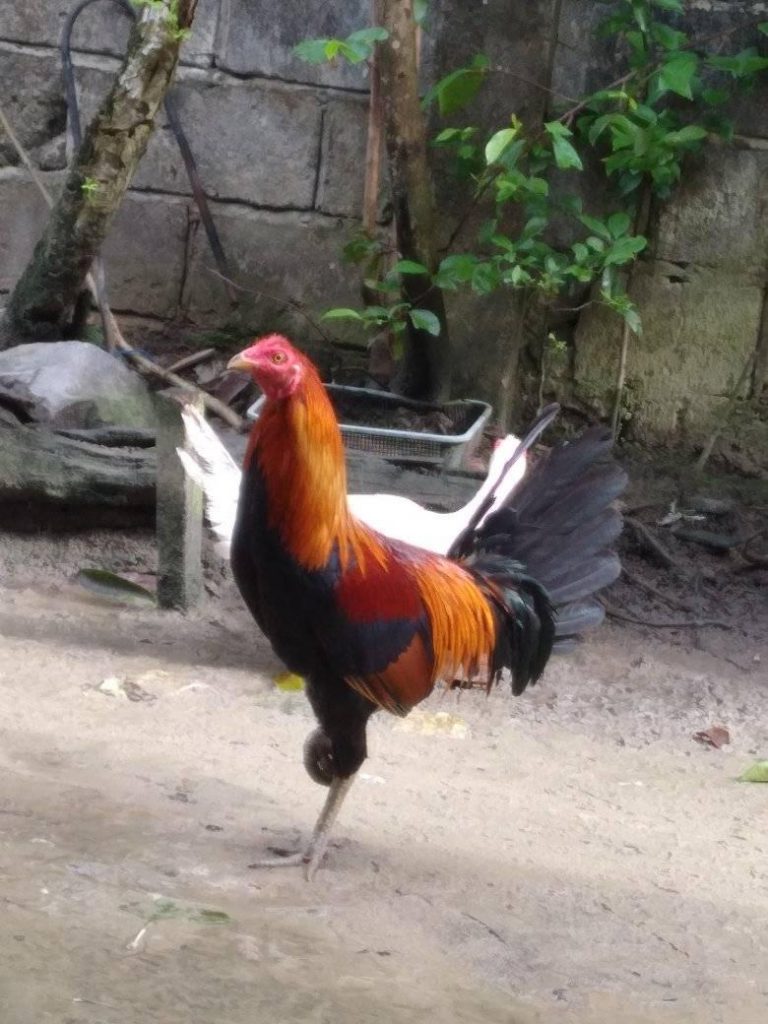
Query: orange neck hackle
<point x="297" y="446"/>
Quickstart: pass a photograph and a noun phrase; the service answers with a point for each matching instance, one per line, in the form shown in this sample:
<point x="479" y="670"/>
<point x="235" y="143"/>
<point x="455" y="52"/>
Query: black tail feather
<point x="549" y="551"/>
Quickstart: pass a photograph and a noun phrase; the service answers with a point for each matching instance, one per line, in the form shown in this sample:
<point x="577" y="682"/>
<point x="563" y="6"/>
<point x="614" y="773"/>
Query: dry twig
<point x="616" y="613"/>
<point x="646" y="537"/>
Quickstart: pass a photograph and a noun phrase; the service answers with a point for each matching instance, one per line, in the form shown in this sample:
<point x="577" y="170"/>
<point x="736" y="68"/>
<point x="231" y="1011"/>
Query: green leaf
<point x="459" y="87"/>
<point x="485" y="278"/>
<point x="424" y="320"/>
<point x="377" y="314"/>
<point x="212" y="917"/>
<point x="640" y="11"/>
<point x="689" y="134"/>
<point x="740" y="65"/>
<point x="618" y="224"/>
<point x="113" y="587"/>
<point x="715" y="97"/>
<point x="519" y="276"/>
<point x="668" y="37"/>
<point x="420" y="11"/>
<point x="312" y="50"/>
<point x="448" y="135"/>
<point x="534" y="227"/>
<point x="288" y="682"/>
<point x="457" y="268"/>
<point x="368" y="36"/>
<point x="498" y="143"/>
<point x="596" y="226"/>
<point x="625" y="250"/>
<point x="763" y="27"/>
<point x="758" y="772"/>
<point x="597" y="127"/>
<point x="341" y="314"/>
<point x="409" y="267"/>
<point x="632" y="318"/>
<point x="565" y="155"/>
<point x="669" y="5"/>
<point x="677" y="73"/>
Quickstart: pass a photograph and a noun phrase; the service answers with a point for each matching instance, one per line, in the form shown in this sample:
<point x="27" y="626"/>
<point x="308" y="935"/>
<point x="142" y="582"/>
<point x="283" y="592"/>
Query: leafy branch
<point x="641" y="127"/>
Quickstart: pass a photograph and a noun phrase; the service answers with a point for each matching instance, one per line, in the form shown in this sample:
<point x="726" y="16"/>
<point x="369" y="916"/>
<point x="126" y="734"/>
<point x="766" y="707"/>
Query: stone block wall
<point x="280" y="146"/>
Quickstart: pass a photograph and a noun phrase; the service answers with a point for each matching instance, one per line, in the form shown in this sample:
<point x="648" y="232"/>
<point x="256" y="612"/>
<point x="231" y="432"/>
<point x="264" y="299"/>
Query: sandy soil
<point x="570" y="856"/>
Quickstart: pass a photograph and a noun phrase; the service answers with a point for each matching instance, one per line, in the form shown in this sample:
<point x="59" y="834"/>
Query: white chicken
<point x="209" y="463"/>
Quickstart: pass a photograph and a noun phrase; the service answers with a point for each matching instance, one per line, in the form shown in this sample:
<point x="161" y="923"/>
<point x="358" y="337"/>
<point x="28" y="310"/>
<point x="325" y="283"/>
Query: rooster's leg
<point x="318" y="844"/>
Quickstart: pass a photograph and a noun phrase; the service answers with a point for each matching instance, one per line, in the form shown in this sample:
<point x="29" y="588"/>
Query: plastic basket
<point x="451" y="451"/>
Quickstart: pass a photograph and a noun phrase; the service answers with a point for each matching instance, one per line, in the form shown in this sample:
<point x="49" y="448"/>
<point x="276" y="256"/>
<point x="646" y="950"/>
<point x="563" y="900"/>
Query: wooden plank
<point x="179" y="522"/>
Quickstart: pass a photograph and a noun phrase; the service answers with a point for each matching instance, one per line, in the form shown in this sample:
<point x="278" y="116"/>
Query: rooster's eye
<point x="278" y="357"/>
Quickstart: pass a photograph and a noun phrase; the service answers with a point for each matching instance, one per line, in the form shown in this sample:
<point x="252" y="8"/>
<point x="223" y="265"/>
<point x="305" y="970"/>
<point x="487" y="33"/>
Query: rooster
<point x="208" y="462"/>
<point x="373" y="623"/>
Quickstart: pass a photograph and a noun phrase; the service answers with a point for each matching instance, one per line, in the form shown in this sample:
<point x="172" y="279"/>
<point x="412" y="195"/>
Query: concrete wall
<point x="280" y="147"/>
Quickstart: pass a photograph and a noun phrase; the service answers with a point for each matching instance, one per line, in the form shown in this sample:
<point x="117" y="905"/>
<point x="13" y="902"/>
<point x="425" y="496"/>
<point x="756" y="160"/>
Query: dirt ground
<point x="572" y="856"/>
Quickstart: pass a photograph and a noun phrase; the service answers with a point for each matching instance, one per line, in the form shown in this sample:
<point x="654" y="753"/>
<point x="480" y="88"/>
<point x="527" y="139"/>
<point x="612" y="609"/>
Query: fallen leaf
<point x="432" y="723"/>
<point x="715" y="736"/>
<point x="113" y="587"/>
<point x="288" y="682"/>
<point x="758" y="772"/>
<point x="117" y="686"/>
<point x="135" y="692"/>
<point x="112" y="686"/>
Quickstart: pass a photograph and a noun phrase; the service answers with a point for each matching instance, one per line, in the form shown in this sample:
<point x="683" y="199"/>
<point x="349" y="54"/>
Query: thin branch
<point x="25" y="158"/>
<point x="683" y="606"/>
<point x="148" y="366"/>
<point x="532" y="82"/>
<point x="731" y="405"/>
<point x="651" y="542"/>
<point x="615" y="613"/>
<point x="193" y="359"/>
<point x="639" y="227"/>
<point x="621" y="377"/>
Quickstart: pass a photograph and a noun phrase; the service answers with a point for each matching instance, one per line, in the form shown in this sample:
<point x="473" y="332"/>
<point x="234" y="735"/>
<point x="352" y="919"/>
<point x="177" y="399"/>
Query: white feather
<point x="211" y="466"/>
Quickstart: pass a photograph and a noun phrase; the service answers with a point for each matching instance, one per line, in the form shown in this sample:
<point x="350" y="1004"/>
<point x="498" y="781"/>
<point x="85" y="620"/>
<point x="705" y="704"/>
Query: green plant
<point x="171" y="18"/>
<point x="641" y="127"/>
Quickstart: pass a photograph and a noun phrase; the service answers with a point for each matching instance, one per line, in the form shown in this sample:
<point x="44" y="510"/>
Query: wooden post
<point x="179" y="523"/>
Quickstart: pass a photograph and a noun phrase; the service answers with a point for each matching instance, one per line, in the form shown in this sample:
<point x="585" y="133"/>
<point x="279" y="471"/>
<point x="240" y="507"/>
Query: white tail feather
<point x="211" y="466"/>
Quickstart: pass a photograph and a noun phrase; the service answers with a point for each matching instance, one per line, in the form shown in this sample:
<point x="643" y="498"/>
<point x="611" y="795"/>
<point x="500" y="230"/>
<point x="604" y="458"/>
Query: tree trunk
<point x="44" y="298"/>
<point x="425" y="372"/>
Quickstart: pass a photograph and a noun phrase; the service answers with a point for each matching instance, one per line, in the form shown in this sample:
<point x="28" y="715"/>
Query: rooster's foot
<point x="318" y="844"/>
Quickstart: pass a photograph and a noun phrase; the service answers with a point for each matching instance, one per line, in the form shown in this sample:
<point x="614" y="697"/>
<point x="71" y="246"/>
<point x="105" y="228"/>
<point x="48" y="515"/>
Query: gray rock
<point x="74" y="384"/>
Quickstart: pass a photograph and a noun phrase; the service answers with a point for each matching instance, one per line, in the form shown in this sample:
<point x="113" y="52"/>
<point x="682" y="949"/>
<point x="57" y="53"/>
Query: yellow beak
<point x="238" y="362"/>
